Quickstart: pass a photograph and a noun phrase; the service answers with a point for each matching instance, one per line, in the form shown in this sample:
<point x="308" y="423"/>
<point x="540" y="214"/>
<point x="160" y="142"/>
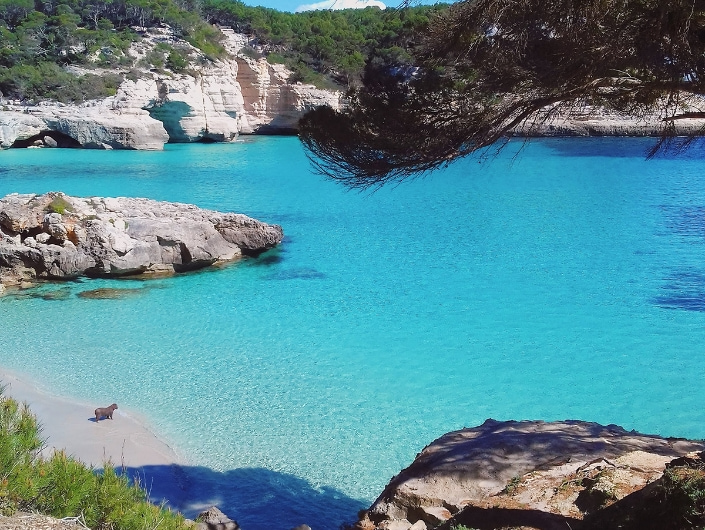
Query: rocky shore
<point x="217" y="100"/>
<point x="58" y="237"/>
<point x="592" y="121"/>
<point x="529" y="474"/>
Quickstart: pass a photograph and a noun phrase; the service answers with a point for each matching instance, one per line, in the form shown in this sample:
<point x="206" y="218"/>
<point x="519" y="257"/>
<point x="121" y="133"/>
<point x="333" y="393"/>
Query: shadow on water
<point x="257" y="498"/>
<point x="637" y="147"/>
<point x="683" y="290"/>
<point x="268" y="259"/>
<point x="686" y="221"/>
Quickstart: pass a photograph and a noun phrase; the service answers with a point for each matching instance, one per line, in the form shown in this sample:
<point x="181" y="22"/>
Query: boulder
<point x="551" y="473"/>
<point x="214" y="519"/>
<point x="54" y="236"/>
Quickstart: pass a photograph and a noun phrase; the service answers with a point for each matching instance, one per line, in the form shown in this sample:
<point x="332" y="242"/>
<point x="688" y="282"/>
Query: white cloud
<point x="341" y="4"/>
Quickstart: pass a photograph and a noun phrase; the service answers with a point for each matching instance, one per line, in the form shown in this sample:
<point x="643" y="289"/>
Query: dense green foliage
<point x="38" y="39"/>
<point x="63" y="487"/>
<point x="333" y="43"/>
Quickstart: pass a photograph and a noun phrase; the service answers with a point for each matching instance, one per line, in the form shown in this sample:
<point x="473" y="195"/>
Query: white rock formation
<point x="214" y="101"/>
<point x="54" y="236"/>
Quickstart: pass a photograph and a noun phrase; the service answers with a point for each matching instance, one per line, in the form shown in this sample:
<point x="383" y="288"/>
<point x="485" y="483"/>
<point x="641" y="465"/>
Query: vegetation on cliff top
<point x="39" y="40"/>
<point x="332" y="43"/>
<point x="61" y="486"/>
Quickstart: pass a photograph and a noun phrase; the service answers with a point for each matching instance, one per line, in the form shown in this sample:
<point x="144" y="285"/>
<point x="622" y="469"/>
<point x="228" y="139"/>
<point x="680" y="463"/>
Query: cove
<point x="562" y="280"/>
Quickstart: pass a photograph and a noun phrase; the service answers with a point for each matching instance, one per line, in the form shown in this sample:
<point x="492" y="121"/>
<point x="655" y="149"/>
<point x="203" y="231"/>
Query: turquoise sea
<point x="562" y="280"/>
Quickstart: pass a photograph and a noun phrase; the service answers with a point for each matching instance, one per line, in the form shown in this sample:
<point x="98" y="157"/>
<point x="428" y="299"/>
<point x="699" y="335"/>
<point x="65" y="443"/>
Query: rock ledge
<point x="544" y="474"/>
<point x="57" y="237"/>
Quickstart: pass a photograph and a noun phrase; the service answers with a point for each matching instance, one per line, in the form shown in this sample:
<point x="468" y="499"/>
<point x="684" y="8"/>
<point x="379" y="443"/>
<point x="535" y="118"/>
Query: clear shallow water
<point x="565" y="282"/>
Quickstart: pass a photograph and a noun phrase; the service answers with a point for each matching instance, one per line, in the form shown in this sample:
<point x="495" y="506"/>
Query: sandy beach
<point x="125" y="442"/>
<point x="70" y="425"/>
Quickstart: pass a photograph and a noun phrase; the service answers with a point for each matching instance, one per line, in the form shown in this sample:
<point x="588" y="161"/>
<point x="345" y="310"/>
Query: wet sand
<point x="125" y="442"/>
<point x="70" y="425"/>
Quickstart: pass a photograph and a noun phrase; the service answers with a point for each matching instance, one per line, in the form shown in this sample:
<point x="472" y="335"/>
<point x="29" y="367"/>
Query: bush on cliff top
<point x="326" y="43"/>
<point x="38" y="40"/>
<point x="61" y="486"/>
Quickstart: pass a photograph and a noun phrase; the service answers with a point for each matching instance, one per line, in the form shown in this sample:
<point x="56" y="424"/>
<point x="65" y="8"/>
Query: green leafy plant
<point x="61" y="486"/>
<point x="512" y="485"/>
<point x="59" y="205"/>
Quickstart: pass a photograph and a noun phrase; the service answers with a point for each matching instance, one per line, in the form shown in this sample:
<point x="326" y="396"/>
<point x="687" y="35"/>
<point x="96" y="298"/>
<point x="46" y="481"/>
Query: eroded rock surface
<point x="536" y="474"/>
<point x="214" y="519"/>
<point x="212" y="100"/>
<point x="54" y="236"/>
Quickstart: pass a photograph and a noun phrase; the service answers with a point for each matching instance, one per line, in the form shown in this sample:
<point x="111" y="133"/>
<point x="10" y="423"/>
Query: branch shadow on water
<point x="257" y="498"/>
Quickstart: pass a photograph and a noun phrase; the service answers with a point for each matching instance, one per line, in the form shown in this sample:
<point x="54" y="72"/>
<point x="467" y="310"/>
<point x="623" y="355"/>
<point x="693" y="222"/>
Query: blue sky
<point x="294" y="5"/>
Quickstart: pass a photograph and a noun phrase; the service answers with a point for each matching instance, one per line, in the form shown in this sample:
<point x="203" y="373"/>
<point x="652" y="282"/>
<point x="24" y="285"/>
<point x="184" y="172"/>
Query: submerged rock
<point x="530" y="474"/>
<point x="109" y="293"/>
<point x="54" y="236"/>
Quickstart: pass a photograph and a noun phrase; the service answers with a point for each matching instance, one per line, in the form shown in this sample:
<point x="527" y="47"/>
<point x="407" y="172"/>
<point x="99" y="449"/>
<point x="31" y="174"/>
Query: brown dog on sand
<point x="107" y="412"/>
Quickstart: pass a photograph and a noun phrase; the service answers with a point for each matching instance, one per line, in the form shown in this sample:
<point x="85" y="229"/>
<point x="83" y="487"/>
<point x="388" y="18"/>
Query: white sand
<point x="71" y="425"/>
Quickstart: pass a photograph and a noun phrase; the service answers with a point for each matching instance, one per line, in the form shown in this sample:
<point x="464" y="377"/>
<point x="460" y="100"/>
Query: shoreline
<point x="68" y="424"/>
<point x="126" y="442"/>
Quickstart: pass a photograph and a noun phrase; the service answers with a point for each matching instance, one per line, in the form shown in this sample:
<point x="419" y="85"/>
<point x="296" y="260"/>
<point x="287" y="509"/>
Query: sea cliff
<point x="209" y="100"/>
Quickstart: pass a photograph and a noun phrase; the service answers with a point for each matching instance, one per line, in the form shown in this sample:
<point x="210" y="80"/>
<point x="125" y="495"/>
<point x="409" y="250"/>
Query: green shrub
<point x="59" y="205"/>
<point x="684" y="494"/>
<point x="154" y="59"/>
<point x="63" y="487"/>
<point x="276" y="58"/>
<point x="249" y="51"/>
<point x="177" y="60"/>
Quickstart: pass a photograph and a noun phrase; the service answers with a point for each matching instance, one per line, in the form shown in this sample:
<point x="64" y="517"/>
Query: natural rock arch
<point x="48" y="139"/>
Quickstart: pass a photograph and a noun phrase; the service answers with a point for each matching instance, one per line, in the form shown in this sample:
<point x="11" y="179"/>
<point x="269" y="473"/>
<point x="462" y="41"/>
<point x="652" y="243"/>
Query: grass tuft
<point x="59" y="205"/>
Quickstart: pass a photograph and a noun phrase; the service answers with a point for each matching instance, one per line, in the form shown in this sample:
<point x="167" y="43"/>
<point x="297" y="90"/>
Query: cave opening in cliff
<point x="48" y="139"/>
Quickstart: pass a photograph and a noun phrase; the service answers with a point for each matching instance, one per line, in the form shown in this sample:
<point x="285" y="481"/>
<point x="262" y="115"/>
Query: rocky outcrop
<point x="208" y="101"/>
<point x="596" y="121"/>
<point x="555" y="472"/>
<point x="214" y="519"/>
<point x="89" y="126"/>
<point x="57" y="237"/>
<point x="36" y="521"/>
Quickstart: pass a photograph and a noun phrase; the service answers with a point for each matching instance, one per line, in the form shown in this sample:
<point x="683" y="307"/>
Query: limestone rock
<point x="118" y="236"/>
<point x="81" y="126"/>
<point x="597" y="121"/>
<point x="552" y="470"/>
<point x="210" y="101"/>
<point x="214" y="519"/>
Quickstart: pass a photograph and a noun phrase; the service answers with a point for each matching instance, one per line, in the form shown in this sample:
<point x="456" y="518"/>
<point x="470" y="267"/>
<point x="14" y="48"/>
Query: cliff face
<point x="523" y="474"/>
<point x="209" y="101"/>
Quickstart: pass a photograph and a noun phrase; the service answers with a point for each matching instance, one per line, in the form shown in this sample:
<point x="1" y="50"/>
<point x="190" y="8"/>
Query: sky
<point x="303" y="5"/>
